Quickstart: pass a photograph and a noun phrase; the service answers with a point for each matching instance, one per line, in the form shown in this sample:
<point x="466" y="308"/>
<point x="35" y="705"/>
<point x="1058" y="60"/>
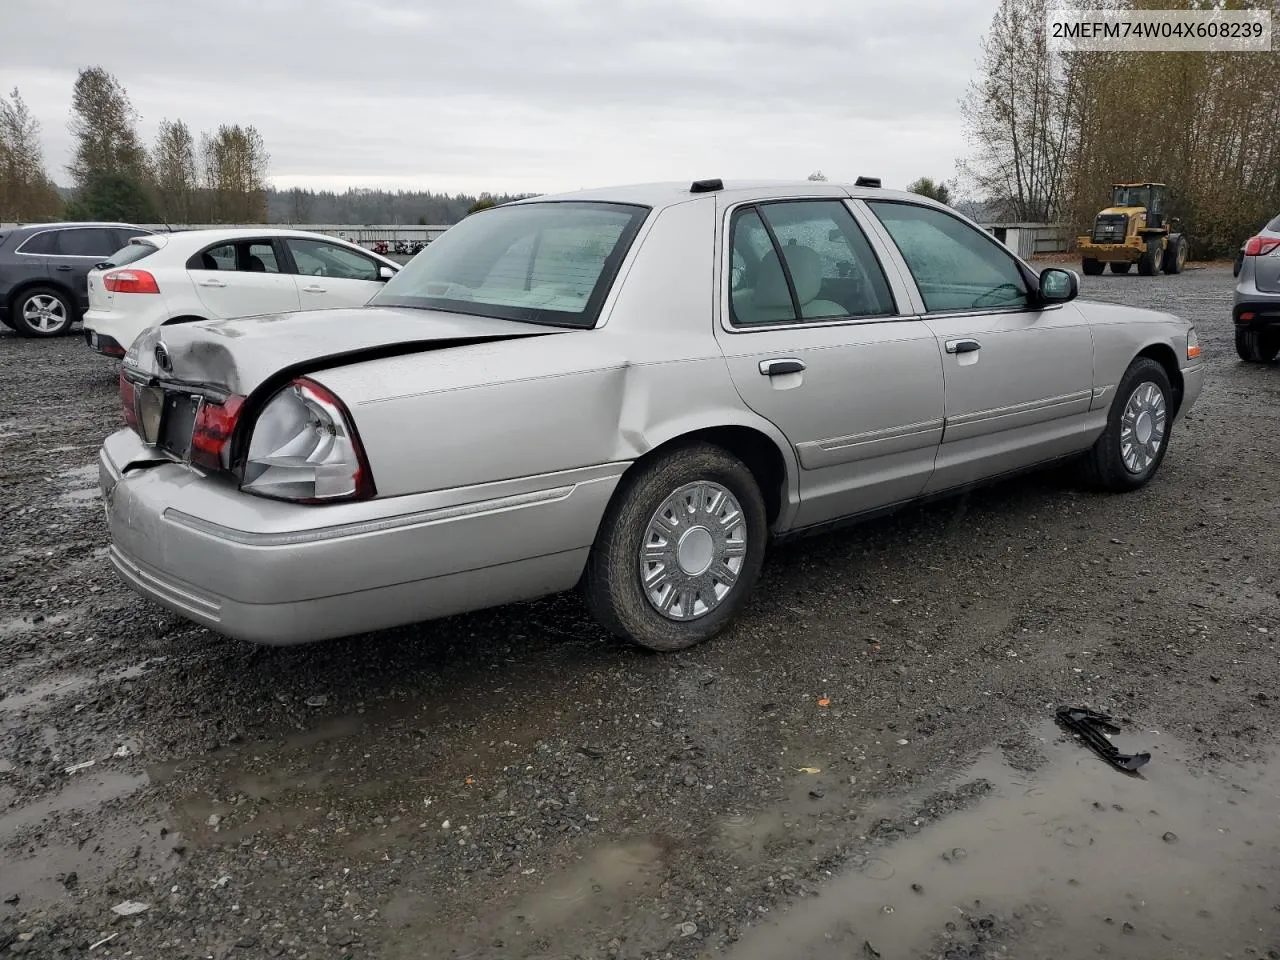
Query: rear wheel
<point x="1257" y="346"/>
<point x="1131" y="449"/>
<point x="1175" y="254"/>
<point x="42" y="312"/>
<point x="1149" y="262"/>
<point x="679" y="549"/>
<point x="1091" y="267"/>
<point x="1120" y="267"/>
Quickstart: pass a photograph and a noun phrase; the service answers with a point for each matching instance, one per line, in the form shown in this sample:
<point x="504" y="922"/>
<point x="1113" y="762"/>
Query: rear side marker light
<point x="1246" y="316"/>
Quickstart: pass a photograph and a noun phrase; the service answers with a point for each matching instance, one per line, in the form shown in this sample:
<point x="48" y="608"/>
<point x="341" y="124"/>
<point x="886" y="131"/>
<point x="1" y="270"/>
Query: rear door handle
<point x="781" y="365"/>
<point x="962" y="346"/>
<point x="63" y="267"/>
<point x="212" y="282"/>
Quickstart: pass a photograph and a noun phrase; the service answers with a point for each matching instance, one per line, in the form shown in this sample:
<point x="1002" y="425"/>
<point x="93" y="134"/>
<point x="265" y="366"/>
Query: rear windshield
<point x="134" y="251"/>
<point x="550" y="263"/>
<point x="1274" y="225"/>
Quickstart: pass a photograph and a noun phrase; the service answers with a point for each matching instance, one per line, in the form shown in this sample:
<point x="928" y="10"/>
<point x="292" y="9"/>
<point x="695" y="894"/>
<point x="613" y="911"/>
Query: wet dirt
<point x="515" y="784"/>
<point x="1073" y="859"/>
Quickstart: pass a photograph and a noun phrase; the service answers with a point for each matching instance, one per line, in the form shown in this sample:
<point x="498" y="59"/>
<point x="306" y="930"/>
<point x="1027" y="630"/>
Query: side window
<point x="41" y="243"/>
<point x="87" y="242"/>
<point x="954" y="266"/>
<point x="259" y="257"/>
<point x="215" y="258"/>
<point x="828" y="270"/>
<point x="315" y="258"/>
<point x="122" y="237"/>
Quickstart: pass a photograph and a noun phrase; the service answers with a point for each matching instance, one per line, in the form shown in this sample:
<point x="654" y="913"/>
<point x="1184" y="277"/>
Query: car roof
<point x="659" y="195"/>
<point x="212" y="234"/>
<point x="63" y="224"/>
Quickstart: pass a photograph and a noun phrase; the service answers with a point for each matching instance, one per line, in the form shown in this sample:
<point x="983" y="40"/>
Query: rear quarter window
<point x="40" y="243"/>
<point x="130" y="253"/>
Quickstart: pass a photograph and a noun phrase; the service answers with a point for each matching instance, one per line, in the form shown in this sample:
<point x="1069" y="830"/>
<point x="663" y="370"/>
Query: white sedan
<point x="219" y="274"/>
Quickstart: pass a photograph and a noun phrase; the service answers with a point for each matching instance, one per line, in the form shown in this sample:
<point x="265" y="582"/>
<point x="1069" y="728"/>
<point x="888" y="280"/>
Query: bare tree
<point x="26" y="192"/>
<point x="1018" y="112"/>
<point x="103" y="123"/>
<point x="174" y="163"/>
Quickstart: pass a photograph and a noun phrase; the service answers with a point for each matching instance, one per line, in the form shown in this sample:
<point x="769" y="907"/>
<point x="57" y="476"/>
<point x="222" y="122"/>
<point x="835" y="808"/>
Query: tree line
<point x="1052" y="130"/>
<point x="219" y="175"/>
<point x="362" y="205"/>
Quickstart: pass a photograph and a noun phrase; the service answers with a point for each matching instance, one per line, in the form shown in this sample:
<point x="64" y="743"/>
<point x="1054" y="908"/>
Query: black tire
<point x="612" y="583"/>
<point x="44" y="295"/>
<point x="1238" y="265"/>
<point x="1091" y="267"/>
<point x="1257" y="346"/>
<point x="1104" y="465"/>
<point x="1175" y="254"/>
<point x="1149" y="262"/>
<point x="1121" y="267"/>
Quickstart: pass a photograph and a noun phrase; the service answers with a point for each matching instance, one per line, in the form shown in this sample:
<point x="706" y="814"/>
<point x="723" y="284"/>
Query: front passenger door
<point x="1018" y="377"/>
<point x="330" y="275"/>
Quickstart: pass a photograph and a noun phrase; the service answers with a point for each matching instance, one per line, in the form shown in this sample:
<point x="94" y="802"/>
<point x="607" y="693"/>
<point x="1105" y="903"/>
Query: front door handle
<point x="313" y="289"/>
<point x="776" y="368"/>
<point x="212" y="282"/>
<point x="63" y="267"/>
<point x="962" y="346"/>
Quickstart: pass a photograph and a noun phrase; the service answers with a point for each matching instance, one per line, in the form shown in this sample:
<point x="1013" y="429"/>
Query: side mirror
<point x="1058" y="286"/>
<point x="385" y="273"/>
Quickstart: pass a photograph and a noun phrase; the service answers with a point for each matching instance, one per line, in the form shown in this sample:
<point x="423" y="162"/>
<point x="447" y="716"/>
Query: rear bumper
<point x="105" y="345"/>
<point x="281" y="573"/>
<point x="1259" y="312"/>
<point x="122" y="328"/>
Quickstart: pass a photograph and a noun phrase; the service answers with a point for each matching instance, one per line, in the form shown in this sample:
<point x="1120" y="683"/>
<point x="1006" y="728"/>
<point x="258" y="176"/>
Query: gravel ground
<point x="515" y="784"/>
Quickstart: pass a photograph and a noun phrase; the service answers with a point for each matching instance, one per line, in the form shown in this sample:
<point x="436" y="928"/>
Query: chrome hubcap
<point x="1142" y="427"/>
<point x="44" y="313"/>
<point x="693" y="550"/>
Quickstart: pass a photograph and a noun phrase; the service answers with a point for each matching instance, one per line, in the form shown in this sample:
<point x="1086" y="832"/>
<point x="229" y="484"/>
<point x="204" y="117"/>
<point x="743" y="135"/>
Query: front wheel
<point x="1149" y="262"/>
<point x="1175" y="254"/>
<point x="1132" y="447"/>
<point x="42" y="312"/>
<point x="679" y="549"/>
<point x="1091" y="268"/>
<point x="1257" y="346"/>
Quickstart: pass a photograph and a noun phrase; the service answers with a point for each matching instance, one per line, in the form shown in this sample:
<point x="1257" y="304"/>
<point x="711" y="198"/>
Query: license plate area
<point x="177" y="424"/>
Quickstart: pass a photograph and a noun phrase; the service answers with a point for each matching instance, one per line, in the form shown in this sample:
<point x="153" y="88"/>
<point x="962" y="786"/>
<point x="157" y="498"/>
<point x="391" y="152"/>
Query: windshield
<point x="550" y="262"/>
<point x="1130" y="197"/>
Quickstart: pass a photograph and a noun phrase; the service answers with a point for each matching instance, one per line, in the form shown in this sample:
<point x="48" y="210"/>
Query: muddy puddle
<point x="80" y="486"/>
<point x="1072" y="860"/>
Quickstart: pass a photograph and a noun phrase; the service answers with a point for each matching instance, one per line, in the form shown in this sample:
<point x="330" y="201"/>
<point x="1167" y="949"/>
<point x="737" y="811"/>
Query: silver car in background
<point x="630" y="391"/>
<point x="1257" y="301"/>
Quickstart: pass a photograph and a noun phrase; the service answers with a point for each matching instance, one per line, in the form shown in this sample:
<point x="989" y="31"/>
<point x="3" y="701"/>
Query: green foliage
<point x="113" y="196"/>
<point x="484" y="202"/>
<point x="934" y="190"/>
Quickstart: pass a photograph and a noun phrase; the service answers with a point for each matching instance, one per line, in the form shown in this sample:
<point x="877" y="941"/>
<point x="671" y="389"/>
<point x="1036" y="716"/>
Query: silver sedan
<point x="628" y="391"/>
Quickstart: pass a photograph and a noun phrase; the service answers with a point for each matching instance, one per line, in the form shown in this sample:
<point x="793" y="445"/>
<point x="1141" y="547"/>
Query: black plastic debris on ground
<point x="1092" y="728"/>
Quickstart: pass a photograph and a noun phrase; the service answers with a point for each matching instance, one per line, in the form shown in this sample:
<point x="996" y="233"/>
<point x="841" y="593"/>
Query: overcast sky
<point x="524" y="95"/>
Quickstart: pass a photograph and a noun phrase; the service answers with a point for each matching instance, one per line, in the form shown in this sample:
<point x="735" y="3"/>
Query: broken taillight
<point x="129" y="401"/>
<point x="211" y="437"/>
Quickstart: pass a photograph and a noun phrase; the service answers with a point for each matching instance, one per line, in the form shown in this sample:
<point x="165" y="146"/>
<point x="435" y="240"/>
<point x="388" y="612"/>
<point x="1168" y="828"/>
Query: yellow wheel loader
<point x="1134" y="229"/>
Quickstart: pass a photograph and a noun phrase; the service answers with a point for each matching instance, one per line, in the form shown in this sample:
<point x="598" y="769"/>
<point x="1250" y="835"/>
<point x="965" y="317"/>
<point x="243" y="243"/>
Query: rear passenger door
<point x="1018" y="376"/>
<point x="76" y="250"/>
<point x="332" y="275"/>
<point x="242" y="278"/>
<point x="816" y="342"/>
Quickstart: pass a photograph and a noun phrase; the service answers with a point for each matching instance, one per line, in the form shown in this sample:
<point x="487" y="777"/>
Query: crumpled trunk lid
<point x="237" y="356"/>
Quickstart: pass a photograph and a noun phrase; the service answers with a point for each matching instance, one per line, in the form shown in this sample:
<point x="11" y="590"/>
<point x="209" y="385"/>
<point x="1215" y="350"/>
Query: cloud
<point x="527" y="94"/>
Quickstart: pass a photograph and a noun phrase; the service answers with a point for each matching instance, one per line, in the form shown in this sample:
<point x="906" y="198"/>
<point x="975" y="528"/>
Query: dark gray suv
<point x="43" y="272"/>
